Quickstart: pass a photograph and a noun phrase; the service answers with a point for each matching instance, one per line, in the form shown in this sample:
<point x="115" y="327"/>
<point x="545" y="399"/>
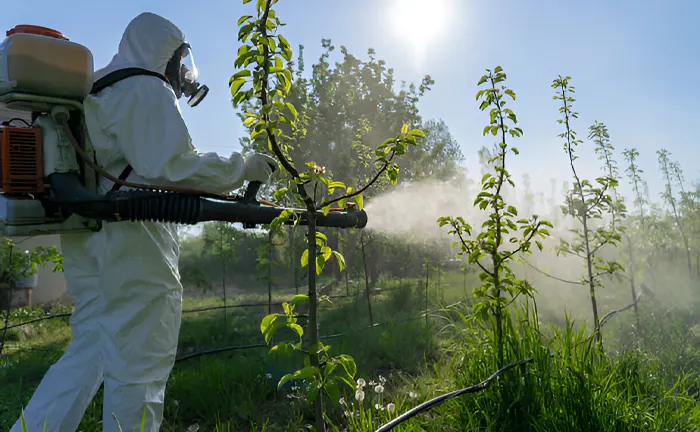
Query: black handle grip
<point x="251" y="192"/>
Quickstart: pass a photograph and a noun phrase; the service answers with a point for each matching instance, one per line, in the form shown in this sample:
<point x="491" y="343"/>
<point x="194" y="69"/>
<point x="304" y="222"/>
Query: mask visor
<point x="189" y="74"/>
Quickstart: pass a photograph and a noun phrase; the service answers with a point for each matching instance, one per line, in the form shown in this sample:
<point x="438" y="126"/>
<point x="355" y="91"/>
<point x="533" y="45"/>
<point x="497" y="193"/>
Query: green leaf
<point x="329" y="368"/>
<point x="333" y="391"/>
<point x="282" y="348"/>
<point x="267" y="322"/>
<point x="341" y="260"/>
<point x="337" y="185"/>
<point x="287" y="377"/>
<point x="243" y="19"/>
<point x="236" y="85"/>
<point x="348" y="364"/>
<point x="292" y="109"/>
<point x="305" y="258"/>
<point x="307" y="373"/>
<point x="313" y="391"/>
<point x="278" y="194"/>
<point x="326" y="252"/>
<point x="404" y="129"/>
<point x="268" y="326"/>
<point x="326" y="210"/>
<point x="320" y="263"/>
<point x="299" y="298"/>
<point x="241" y="74"/>
<point x="359" y="201"/>
<point x="296" y="328"/>
<point x="318" y="347"/>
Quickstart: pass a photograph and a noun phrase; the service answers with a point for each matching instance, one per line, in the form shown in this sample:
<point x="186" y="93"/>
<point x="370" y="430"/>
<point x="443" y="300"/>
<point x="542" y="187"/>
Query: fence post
<point x="269" y="272"/>
<point x="364" y="264"/>
<point x="223" y="273"/>
<point x="427" y="276"/>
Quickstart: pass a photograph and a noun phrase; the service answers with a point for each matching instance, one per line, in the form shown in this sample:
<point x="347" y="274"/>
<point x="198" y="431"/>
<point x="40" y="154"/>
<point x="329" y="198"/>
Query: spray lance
<point x="48" y="176"/>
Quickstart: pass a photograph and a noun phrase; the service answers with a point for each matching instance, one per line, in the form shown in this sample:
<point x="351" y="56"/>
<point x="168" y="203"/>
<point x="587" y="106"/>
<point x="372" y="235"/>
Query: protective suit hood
<point x="148" y="42"/>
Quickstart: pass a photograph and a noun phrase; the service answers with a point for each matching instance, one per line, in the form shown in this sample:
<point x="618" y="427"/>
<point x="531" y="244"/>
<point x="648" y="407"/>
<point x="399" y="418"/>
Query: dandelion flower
<point x="360" y="395"/>
<point x="378" y="407"/>
<point x="342" y="401"/>
<point x="361" y="383"/>
<point x="412" y="395"/>
<point x="379" y="389"/>
<point x="390" y="407"/>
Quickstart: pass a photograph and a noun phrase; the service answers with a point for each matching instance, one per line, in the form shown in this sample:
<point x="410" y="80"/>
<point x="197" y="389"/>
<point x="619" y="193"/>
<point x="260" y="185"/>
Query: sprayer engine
<point x="40" y="71"/>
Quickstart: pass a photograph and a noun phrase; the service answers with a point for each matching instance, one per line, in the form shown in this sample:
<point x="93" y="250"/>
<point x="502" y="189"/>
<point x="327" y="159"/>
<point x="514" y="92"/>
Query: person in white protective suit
<point x="124" y="279"/>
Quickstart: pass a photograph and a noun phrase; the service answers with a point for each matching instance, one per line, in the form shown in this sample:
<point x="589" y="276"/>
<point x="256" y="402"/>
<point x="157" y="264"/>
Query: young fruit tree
<point x="262" y="85"/>
<point x="588" y="203"/>
<point x="489" y="249"/>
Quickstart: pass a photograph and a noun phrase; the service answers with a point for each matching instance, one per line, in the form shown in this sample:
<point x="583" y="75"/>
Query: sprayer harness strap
<point x="113" y="78"/>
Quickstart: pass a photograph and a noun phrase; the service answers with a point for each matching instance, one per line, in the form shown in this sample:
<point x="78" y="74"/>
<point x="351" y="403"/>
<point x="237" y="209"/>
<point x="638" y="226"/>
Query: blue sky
<point x="633" y="64"/>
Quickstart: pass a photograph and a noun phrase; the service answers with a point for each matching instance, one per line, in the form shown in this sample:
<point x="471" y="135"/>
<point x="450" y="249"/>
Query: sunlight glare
<point x="418" y="24"/>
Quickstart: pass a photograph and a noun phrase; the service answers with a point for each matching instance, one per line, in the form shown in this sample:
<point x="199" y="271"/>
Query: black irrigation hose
<point x="260" y="345"/>
<point x="218" y="350"/>
<point x="332" y="336"/>
<point x="48" y="317"/>
<point x="206" y="309"/>
<point x="440" y="399"/>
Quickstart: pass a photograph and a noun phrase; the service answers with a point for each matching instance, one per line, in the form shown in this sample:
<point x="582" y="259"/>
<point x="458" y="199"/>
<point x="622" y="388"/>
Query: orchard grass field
<point x="566" y="387"/>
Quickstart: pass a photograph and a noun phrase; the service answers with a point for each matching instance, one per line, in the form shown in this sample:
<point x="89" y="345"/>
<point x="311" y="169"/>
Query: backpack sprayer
<point x="48" y="173"/>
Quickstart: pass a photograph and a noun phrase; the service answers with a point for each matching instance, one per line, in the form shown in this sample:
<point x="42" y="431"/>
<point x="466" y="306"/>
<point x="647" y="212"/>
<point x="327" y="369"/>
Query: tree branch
<point x="468" y="249"/>
<point x="527" y="240"/>
<point x="549" y="275"/>
<point x="610" y="314"/>
<point x="359" y="191"/>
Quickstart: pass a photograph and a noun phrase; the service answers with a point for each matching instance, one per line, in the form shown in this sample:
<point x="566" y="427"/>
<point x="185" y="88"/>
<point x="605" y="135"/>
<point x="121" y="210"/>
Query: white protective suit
<point x="124" y="279"/>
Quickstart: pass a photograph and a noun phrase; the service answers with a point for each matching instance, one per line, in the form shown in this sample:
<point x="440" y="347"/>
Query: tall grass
<point x="647" y="386"/>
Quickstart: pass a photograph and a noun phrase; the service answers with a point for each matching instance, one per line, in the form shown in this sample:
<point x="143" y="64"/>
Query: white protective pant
<point x="131" y="348"/>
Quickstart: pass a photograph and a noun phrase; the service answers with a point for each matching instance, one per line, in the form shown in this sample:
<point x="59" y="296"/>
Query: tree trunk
<point x="313" y="318"/>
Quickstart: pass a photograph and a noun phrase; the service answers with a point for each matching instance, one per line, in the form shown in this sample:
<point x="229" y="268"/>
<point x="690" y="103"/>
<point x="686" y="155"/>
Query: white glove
<point x="259" y="167"/>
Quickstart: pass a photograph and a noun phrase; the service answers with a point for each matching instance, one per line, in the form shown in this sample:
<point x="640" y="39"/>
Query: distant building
<point x="51" y="286"/>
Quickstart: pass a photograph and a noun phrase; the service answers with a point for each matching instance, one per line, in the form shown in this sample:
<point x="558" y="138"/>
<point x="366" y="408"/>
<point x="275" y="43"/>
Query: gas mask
<point x="182" y="74"/>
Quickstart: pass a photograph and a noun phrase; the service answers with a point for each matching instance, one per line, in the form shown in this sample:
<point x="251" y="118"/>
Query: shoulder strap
<point x="122" y="74"/>
<point x="113" y="78"/>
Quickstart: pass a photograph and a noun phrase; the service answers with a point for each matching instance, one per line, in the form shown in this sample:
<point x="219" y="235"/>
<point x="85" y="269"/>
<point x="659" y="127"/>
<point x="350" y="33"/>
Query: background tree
<point x="588" y="203"/>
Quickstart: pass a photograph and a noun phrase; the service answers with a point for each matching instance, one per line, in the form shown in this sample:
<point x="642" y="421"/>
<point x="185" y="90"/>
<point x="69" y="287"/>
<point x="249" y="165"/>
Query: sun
<point x="419" y="24"/>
